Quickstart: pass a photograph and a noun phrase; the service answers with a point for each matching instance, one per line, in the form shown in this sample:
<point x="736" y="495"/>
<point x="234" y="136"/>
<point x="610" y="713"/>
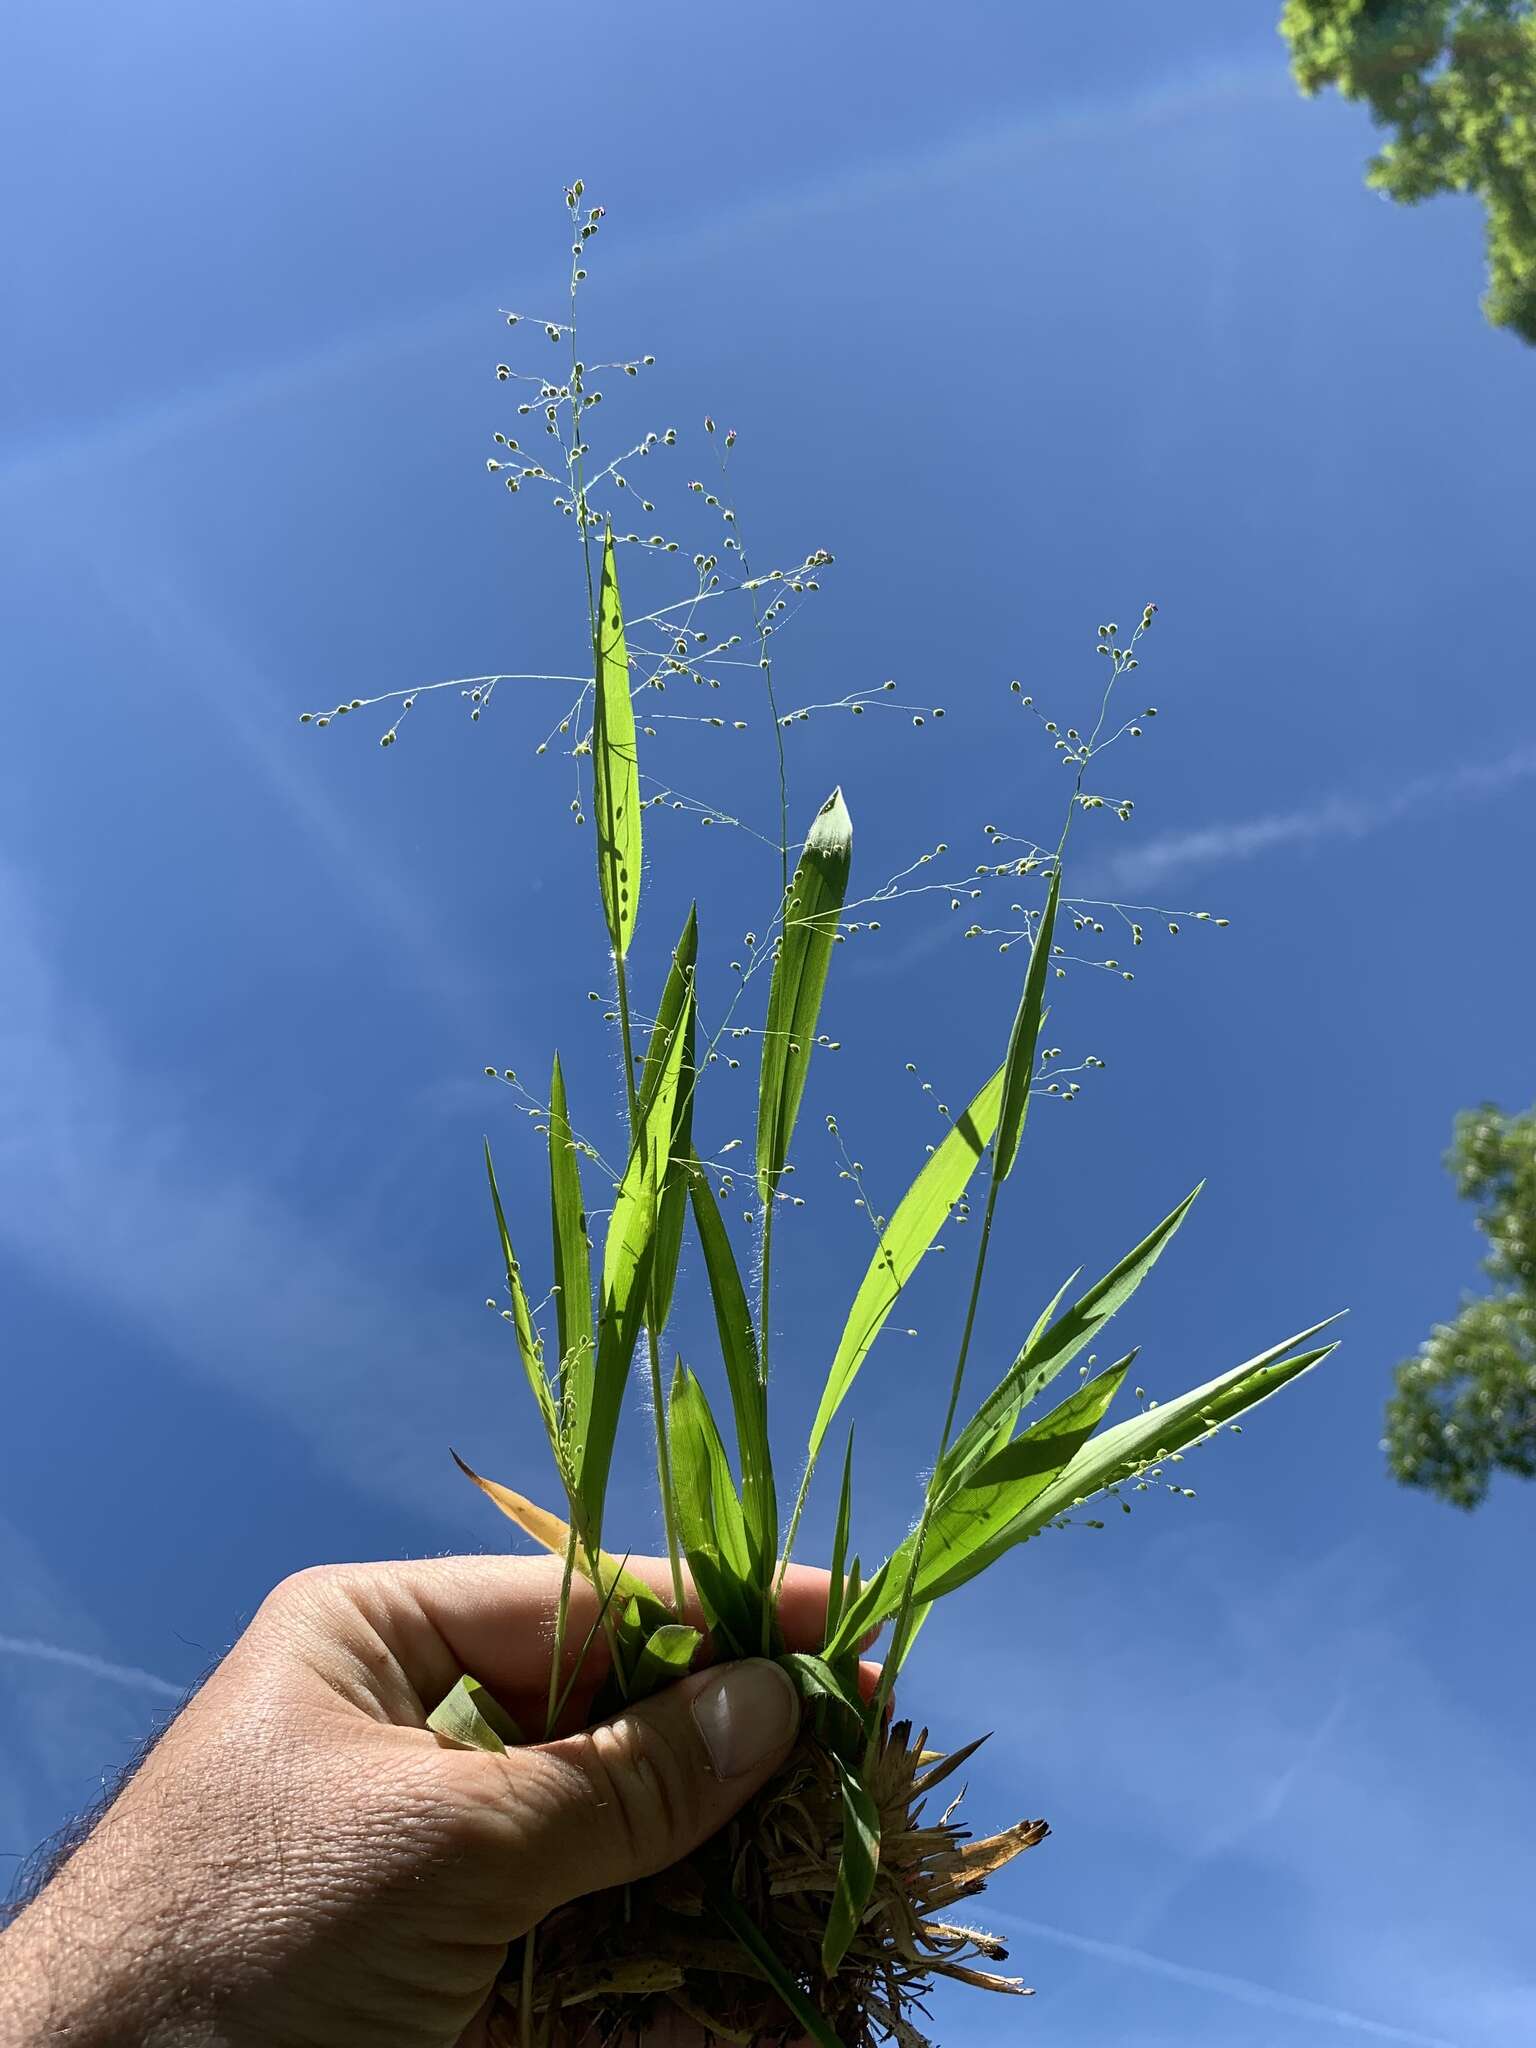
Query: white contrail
<point x="1241" y="1988"/>
<point x="833" y="189"/>
<point x="94" y="1667"/>
<point x="1339" y="817"/>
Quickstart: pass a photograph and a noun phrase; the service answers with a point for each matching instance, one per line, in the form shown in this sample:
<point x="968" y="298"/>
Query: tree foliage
<point x="1465" y="1407"/>
<point x="1456" y="79"/>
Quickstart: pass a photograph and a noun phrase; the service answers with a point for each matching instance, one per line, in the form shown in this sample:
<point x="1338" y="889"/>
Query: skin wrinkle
<point x="301" y="1860"/>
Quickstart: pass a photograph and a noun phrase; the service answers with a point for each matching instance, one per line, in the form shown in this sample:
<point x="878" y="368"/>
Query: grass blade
<point x="528" y="1346"/>
<point x="675" y="1013"/>
<point x="986" y="1506"/>
<point x="735" y="1916"/>
<point x="919" y="1217"/>
<point x="811" y="909"/>
<point x="840" y="1541"/>
<point x="1122" y="1453"/>
<point x="615" y="766"/>
<point x="1056" y="1345"/>
<point x="1019" y="1067"/>
<point x="667" y="1655"/>
<point x="606" y="1573"/>
<point x="711" y="1523"/>
<point x="572" y="1259"/>
<point x="628" y="1251"/>
<point x="744" y="1377"/>
<point x="472" y="1715"/>
<point x="857" y="1862"/>
<point x="836" y="1706"/>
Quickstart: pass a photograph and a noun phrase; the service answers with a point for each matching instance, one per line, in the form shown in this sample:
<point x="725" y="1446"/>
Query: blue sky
<point x="1029" y="320"/>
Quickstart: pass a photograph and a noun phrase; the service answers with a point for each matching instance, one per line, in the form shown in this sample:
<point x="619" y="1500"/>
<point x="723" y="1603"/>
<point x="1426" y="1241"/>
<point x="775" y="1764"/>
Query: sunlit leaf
<point x="666" y="1656"/>
<point x="975" y="1538"/>
<point x="628" y="1250"/>
<point x="919" y="1217"/>
<point x="608" y="1575"/>
<point x="528" y="1346"/>
<point x="472" y="1715"/>
<point x="744" y="1377"/>
<point x="988" y="1504"/>
<point x="1054" y="1346"/>
<point x="838" y="1710"/>
<point x="711" y="1523"/>
<point x="615" y="766"/>
<point x="674" y="1013"/>
<point x="839" y="1557"/>
<point x="1019" y="1067"/>
<point x="811" y="910"/>
<point x="572" y="1260"/>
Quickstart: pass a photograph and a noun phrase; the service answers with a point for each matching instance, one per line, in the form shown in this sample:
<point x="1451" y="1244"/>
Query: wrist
<point x="77" y="1970"/>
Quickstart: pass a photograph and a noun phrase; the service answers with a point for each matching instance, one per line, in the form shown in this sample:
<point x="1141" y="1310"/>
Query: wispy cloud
<point x="832" y="189"/>
<point x="106" y="1187"/>
<point x="93" y="1667"/>
<point x="1340" y="817"/>
<point x="1243" y="1989"/>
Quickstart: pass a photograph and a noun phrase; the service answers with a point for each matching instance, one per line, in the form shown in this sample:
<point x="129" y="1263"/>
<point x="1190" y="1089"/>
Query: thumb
<point x="640" y="1792"/>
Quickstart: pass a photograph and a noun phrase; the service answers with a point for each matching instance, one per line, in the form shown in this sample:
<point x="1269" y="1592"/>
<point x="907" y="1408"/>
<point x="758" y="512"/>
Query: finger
<point x="399" y="1635"/>
<point x="638" y="1793"/>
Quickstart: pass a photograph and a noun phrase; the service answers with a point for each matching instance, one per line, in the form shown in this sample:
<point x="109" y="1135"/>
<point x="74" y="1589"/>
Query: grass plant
<point x="827" y="1909"/>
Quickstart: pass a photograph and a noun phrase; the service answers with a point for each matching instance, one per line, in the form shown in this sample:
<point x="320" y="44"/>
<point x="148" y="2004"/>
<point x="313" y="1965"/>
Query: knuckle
<point x="649" y="1795"/>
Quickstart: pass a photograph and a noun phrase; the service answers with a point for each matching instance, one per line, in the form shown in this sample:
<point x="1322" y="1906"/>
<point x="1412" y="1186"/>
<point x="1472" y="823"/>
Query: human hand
<point x="301" y="1860"/>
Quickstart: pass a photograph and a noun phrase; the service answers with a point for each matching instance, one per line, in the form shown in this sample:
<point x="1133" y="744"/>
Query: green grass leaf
<point x="628" y="1252"/>
<point x="1118" y="1454"/>
<point x="835" y="1570"/>
<point x="1019" y="1067"/>
<point x="528" y="1346"/>
<point x="835" y="1705"/>
<point x="919" y="1217"/>
<point x="572" y="1259"/>
<point x="615" y="766"/>
<point x="674" y="1013"/>
<point x="711" y="1522"/>
<point x="666" y="1656"/>
<point x="858" y="1860"/>
<point x="744" y="1377"/>
<point x="1054" y="1344"/>
<point x="811" y="910"/>
<point x="756" y="1944"/>
<point x="472" y="1715"/>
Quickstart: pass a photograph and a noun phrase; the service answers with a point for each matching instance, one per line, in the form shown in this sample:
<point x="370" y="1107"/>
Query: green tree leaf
<point x="1455" y="80"/>
<point x="1465" y="1406"/>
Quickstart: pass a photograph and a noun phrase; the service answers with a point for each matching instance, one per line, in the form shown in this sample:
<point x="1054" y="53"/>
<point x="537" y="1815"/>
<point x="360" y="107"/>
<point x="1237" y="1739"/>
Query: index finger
<point x="494" y="1617"/>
